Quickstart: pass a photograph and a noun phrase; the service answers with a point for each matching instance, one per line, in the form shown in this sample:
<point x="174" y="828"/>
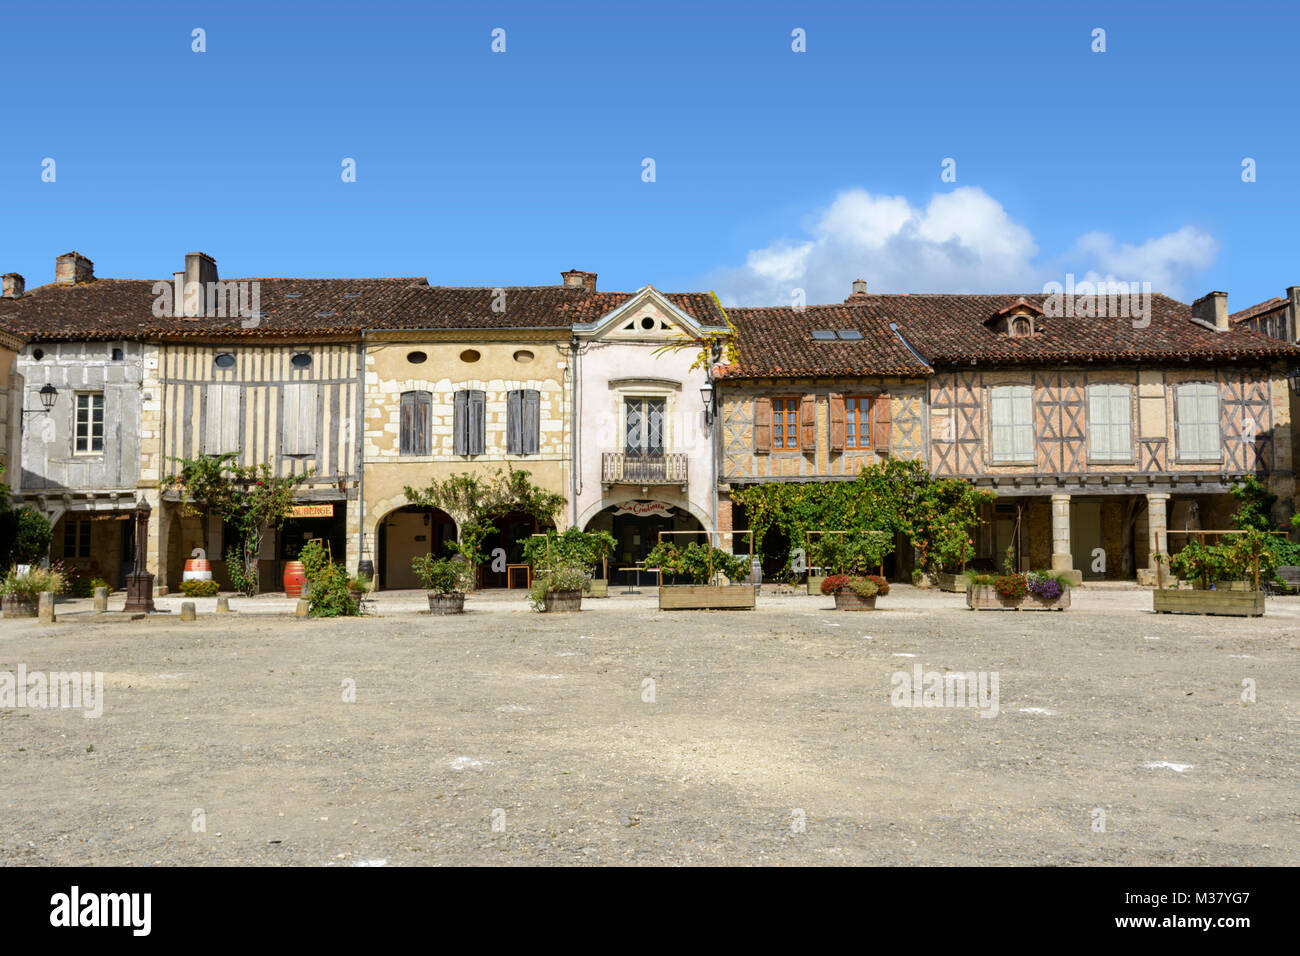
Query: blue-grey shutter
<point x="477" y="420"/>
<point x="532" y="421"/>
<point x="514" y="422"/>
<point x="460" y="423"/>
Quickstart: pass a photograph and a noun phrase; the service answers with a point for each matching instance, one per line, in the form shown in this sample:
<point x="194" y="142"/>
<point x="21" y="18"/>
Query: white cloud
<point x="960" y="241"/>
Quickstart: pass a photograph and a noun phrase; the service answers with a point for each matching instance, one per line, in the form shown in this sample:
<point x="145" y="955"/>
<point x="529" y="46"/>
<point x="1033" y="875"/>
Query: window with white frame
<point x="1110" y="423"/>
<point x="1197" y="405"/>
<point x="1012" y="432"/>
<point x="88" y="432"/>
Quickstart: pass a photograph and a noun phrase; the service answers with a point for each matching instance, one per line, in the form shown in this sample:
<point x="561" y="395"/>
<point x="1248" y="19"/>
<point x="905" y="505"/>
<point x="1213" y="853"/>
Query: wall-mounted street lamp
<point x="706" y="395"/>
<point x="48" y="394"/>
<point x="1293" y="375"/>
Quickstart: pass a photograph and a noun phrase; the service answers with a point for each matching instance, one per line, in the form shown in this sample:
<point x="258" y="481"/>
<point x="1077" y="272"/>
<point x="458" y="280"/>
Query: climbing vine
<point x="936" y="515"/>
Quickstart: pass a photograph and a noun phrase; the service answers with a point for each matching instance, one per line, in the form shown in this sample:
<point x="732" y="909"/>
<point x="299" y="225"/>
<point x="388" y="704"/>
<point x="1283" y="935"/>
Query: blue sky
<point x="774" y="169"/>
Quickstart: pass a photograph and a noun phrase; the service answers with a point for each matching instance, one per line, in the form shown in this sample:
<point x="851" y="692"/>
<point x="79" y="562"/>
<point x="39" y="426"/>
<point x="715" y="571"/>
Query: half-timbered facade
<point x="1097" y="434"/>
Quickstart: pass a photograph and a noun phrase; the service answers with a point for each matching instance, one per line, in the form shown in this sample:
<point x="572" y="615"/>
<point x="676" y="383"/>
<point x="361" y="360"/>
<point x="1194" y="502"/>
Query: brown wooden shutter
<point x="808" y="422"/>
<point x="837" y="421"/>
<point x="762" y="425"/>
<point x="880" y="427"/>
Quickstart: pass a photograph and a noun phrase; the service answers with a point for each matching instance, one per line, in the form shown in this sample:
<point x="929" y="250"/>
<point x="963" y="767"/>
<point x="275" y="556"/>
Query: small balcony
<point x="619" y="468"/>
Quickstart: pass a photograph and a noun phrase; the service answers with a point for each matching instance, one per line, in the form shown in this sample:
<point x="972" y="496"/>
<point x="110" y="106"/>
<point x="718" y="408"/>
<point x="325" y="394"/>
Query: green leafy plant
<point x="328" y="589"/>
<point x="856" y="553"/>
<point x="442" y="575"/>
<point x="1254" y="505"/>
<point x="252" y="498"/>
<point x="240" y="579"/>
<point x="472" y="501"/>
<point x="562" y="561"/>
<point x="1239" y="555"/>
<point x="29" y="585"/>
<point x="1199" y="563"/>
<point x="864" y="587"/>
<point x="200" y="588"/>
<point x="936" y="515"/>
<point x="692" y="562"/>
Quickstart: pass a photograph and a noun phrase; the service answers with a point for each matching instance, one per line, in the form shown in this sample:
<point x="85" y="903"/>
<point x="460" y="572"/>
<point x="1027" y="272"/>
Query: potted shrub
<point x="1204" y="565"/>
<point x="445" y="580"/>
<point x="856" y="553"/>
<point x="327" y="587"/>
<point x="359" y="585"/>
<point x="855" y="593"/>
<point x="699" y="576"/>
<point x="562" y="565"/>
<point x="20" y="592"/>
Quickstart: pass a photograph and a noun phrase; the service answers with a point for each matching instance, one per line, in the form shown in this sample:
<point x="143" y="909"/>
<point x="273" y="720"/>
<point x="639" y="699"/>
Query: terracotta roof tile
<point x="954" y="329"/>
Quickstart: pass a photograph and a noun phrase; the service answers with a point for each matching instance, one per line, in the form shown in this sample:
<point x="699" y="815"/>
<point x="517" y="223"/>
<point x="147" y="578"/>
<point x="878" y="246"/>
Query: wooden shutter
<point x="221" y="428"/>
<point x="762" y="425"/>
<point x="514" y="422"/>
<point x="477" y="420"/>
<point x="837" y="421"/>
<point x="532" y="421"/>
<point x="416" y="423"/>
<point x="460" y="423"/>
<point x="881" y="426"/>
<point x="299" y="432"/>
<point x="808" y="422"/>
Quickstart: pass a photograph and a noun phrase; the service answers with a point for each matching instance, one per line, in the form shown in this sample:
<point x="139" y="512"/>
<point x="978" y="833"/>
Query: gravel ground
<point x="770" y="736"/>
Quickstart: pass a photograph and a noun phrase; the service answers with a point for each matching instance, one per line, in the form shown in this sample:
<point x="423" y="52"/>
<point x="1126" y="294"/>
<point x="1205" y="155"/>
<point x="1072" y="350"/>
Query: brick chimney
<point x="1212" y="309"/>
<point x="577" y="279"/>
<point x="1292" y="312"/>
<point x="72" y="268"/>
<point x="13" y="285"/>
<point x="202" y="269"/>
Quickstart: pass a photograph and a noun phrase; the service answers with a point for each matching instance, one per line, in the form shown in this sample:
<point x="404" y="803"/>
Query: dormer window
<point x="1019" y="320"/>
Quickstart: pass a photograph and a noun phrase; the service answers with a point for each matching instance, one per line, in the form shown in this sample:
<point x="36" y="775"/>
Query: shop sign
<point x="643" y="509"/>
<point x="312" y="511"/>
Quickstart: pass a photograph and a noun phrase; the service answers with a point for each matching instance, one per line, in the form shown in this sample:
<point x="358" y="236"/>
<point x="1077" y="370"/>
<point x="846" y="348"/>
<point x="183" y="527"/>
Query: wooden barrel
<point x="294" y="578"/>
<point x="197" y="569"/>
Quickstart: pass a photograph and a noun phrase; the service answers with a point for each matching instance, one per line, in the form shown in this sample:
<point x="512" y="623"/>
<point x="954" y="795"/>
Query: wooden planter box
<point x="1196" y="601"/>
<point x="815" y="583"/>
<point x="984" y="597"/>
<point x="16" y="605"/>
<point x="954" y="583"/>
<point x="563" y="601"/>
<point x="597" y="588"/>
<point x="696" y="597"/>
<point x="446" y="603"/>
<point x="1232" y="586"/>
<point x="848" y="601"/>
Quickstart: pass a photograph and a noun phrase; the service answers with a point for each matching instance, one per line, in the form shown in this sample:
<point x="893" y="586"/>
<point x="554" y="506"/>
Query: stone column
<point x="1062" y="559"/>
<point x="1157" y="539"/>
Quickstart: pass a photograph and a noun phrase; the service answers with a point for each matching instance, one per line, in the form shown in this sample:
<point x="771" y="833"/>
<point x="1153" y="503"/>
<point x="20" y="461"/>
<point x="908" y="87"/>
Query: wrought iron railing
<point x="665" y="469"/>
